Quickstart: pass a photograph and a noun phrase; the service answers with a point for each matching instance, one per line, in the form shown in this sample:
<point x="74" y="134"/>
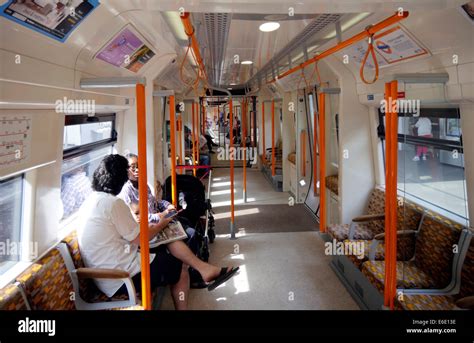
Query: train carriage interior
<point x="310" y="155"/>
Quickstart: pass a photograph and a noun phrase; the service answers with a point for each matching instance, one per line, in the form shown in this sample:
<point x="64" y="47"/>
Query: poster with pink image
<point x="126" y="50"/>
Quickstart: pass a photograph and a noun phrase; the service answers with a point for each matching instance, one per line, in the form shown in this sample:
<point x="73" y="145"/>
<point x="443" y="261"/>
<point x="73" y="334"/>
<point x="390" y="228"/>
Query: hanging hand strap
<point x="370" y="49"/>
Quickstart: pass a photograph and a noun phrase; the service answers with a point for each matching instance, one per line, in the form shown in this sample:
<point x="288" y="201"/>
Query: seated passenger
<point x="109" y="238"/>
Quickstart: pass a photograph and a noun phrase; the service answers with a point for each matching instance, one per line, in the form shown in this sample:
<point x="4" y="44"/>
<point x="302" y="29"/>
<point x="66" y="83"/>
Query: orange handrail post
<point x="143" y="195"/>
<point x="189" y="30"/>
<point x="388" y="208"/>
<point x="180" y="139"/>
<point x="193" y="136"/>
<point x="315" y="154"/>
<point x="173" y="150"/>
<point x="303" y="152"/>
<point x="263" y="132"/>
<point x="197" y="137"/>
<point x="322" y="162"/>
<point x="391" y="146"/>
<point x="244" y="137"/>
<point x="342" y="45"/>
<point x="273" y="137"/>
<point x="232" y="156"/>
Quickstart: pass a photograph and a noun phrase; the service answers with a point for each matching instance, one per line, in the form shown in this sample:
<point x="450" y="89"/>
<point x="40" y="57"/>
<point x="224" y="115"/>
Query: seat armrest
<point x="101" y="273"/>
<point x="381" y="236"/>
<point x="368" y="217"/>
<point x="466" y="303"/>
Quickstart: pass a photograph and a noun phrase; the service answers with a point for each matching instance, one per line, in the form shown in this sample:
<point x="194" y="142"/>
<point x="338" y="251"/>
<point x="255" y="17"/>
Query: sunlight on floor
<point x="220" y="184"/>
<point x="236" y="202"/>
<point x="227" y="191"/>
<point x="237" y="213"/>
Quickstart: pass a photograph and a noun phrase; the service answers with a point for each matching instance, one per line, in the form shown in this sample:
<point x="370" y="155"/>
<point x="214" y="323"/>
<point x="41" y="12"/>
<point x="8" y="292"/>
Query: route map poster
<point x="53" y="18"/>
<point x="126" y="50"/>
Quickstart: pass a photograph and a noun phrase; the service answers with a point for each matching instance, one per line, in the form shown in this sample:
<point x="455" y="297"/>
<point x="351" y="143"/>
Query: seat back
<point x="12" y="298"/>
<point x="87" y="288"/>
<point x="434" y="253"/>
<point x="376" y="205"/>
<point x="47" y="284"/>
<point x="467" y="273"/>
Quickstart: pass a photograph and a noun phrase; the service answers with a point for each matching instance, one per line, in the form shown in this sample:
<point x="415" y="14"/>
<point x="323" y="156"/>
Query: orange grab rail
<point x="173" y="150"/>
<point x="273" y="137"/>
<point x="142" y="191"/>
<point x="322" y="162"/>
<point x="344" y="44"/>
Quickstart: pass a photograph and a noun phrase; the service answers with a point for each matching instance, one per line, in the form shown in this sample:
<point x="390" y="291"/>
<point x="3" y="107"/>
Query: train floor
<point x="279" y="251"/>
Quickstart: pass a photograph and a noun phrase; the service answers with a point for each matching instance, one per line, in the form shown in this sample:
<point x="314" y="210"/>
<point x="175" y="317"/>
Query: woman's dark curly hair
<point x="110" y="175"/>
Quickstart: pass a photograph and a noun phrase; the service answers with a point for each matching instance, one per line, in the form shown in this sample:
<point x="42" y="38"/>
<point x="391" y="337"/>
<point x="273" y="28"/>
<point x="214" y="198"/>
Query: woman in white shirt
<point x="109" y="238"/>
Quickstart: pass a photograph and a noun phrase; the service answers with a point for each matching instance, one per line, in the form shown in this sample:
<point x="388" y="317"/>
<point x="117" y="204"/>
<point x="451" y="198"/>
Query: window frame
<point x="437" y="143"/>
<point x="74" y="119"/>
<point x="21" y="234"/>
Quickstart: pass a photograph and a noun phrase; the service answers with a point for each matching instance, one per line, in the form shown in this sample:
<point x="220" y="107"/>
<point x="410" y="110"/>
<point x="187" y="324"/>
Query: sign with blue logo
<point x="53" y="18"/>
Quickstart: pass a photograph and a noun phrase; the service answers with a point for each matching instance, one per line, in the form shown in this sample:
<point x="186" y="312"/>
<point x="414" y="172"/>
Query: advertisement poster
<point x="396" y="45"/>
<point x="53" y="18"/>
<point x="391" y="46"/>
<point x="126" y="50"/>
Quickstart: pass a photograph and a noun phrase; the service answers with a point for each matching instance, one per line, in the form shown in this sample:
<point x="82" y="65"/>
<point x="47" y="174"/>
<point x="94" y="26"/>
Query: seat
<point x="12" y="298"/>
<point x="464" y="299"/>
<point x="365" y="226"/>
<point x="433" y="263"/>
<point x="89" y="297"/>
<point x="409" y="219"/>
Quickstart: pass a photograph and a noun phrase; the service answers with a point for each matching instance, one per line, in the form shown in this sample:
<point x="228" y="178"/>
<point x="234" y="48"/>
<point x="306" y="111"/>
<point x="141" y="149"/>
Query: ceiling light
<point x="269" y="26"/>
<point x="229" y="88"/>
<point x="233" y="84"/>
<point x="246" y="62"/>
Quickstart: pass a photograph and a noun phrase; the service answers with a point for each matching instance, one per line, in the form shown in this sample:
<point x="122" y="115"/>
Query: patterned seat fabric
<point x="405" y="250"/>
<point x="47" y="284"/>
<point x="332" y="183"/>
<point x="408" y="275"/>
<point x="11" y="299"/>
<point x="88" y="289"/>
<point x="433" y="259"/>
<point x="365" y="230"/>
<point x="444" y="302"/>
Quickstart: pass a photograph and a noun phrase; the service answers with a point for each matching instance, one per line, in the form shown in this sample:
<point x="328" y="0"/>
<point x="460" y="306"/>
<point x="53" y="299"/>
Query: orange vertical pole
<point x="388" y="208"/>
<point x="315" y="154"/>
<point x="322" y="163"/>
<point x="244" y="135"/>
<point x="393" y="196"/>
<point x="263" y="132"/>
<point x="180" y="140"/>
<point x="231" y="123"/>
<point x="273" y="137"/>
<point x="173" y="150"/>
<point x="193" y="136"/>
<point x="303" y="152"/>
<point x="143" y="195"/>
<point x="198" y="137"/>
<point x="391" y="145"/>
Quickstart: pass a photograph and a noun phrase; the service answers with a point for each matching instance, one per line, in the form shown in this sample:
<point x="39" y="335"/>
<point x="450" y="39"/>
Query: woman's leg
<point x="181" y="251"/>
<point x="180" y="290"/>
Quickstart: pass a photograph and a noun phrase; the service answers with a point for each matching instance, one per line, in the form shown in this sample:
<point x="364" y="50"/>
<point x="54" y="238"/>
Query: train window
<point x="85" y="143"/>
<point x="11" y="201"/>
<point x="431" y="159"/>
